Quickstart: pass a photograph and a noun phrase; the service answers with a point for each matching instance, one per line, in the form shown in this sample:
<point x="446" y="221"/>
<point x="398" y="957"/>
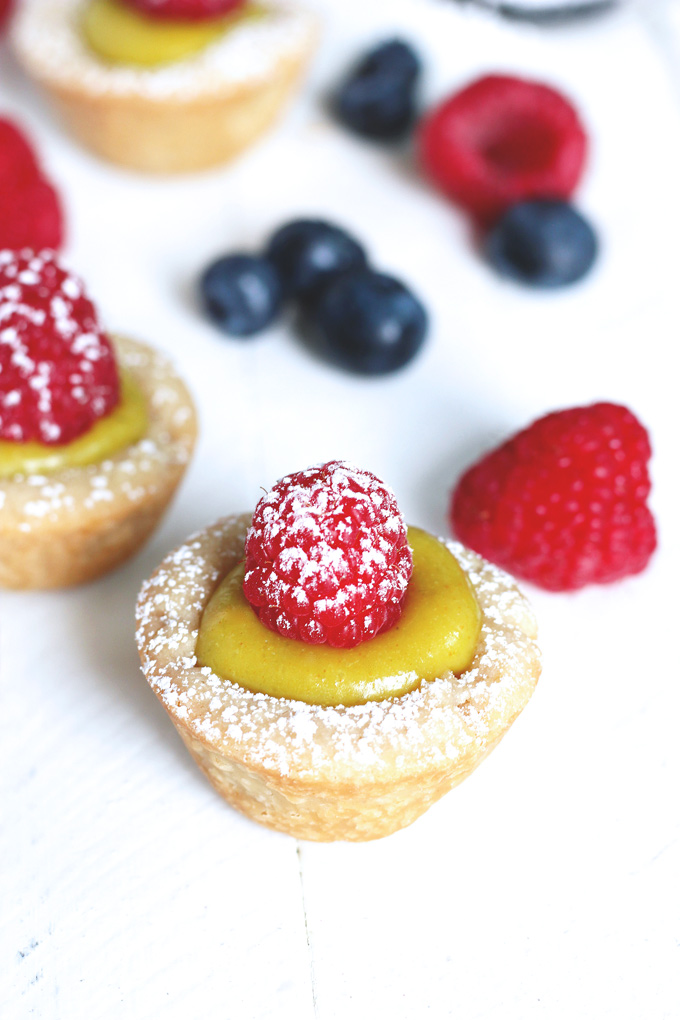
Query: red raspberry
<point x="30" y="210"/>
<point x="327" y="557"/>
<point x="18" y="165"/>
<point x="5" y="11"/>
<point x="563" y="503"/>
<point x="186" y="10"/>
<point x="58" y="372"/>
<point x="502" y="140"/>
<point x="31" y="218"/>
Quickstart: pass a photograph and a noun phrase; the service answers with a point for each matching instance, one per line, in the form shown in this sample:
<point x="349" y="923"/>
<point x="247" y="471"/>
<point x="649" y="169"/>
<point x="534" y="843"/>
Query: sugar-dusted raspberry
<point x="58" y="372"/>
<point x="563" y="503"/>
<point x="30" y="210"/>
<point x="502" y="140"/>
<point x="327" y="556"/>
<point x="186" y="10"/>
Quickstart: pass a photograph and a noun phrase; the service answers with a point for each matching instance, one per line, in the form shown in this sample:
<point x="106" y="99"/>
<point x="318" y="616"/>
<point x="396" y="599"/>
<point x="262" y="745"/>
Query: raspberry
<point x="58" y="372"/>
<point x="30" y="210"/>
<point x="186" y="10"/>
<point x="31" y="218"/>
<point x="327" y="557"/>
<point x="18" y="165"/>
<point x="502" y="140"/>
<point x="563" y="503"/>
<point x="5" y="11"/>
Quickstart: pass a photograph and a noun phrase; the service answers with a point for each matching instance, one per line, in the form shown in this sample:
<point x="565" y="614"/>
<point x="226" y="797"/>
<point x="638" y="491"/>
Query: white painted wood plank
<point x="131" y="889"/>
<point x="546" y="885"/>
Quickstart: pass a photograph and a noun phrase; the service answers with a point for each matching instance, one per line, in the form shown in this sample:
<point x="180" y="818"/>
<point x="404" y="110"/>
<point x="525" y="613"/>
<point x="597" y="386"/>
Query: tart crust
<point x="327" y="773"/>
<point x="70" y="526"/>
<point x="185" y="116"/>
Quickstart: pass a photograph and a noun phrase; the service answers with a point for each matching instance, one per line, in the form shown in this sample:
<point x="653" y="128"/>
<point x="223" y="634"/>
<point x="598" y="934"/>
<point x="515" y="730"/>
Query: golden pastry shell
<point x="72" y="525"/>
<point x="325" y="773"/>
<point x="186" y="116"/>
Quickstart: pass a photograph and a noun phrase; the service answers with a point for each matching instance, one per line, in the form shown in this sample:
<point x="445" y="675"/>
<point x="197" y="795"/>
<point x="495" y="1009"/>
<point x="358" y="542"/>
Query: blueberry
<point x="307" y="253"/>
<point x="544" y="243"/>
<point x="377" y="100"/>
<point x="242" y="294"/>
<point x="369" y="322"/>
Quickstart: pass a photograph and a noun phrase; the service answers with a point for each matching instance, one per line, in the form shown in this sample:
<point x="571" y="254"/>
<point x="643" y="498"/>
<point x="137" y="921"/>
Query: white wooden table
<point x="546" y="886"/>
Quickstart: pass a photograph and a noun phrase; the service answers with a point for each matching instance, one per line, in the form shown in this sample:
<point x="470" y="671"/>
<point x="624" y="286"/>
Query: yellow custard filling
<point x="126" y="424"/>
<point x="438" y="631"/>
<point x="121" y="35"/>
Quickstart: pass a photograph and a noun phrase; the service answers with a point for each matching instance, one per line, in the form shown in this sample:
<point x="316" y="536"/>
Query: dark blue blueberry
<point x="544" y="243"/>
<point x="242" y="294"/>
<point x="370" y="323"/>
<point x="377" y="100"/>
<point x="307" y="253"/>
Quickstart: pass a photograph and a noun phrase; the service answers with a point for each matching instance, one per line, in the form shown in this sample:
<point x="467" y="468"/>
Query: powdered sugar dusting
<point x="35" y="501"/>
<point x="57" y="370"/>
<point x="48" y="39"/>
<point x="327" y="556"/>
<point x="435" y="724"/>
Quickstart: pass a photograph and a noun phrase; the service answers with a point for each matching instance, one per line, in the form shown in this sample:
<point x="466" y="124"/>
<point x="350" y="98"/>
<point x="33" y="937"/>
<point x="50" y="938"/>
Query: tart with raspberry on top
<point x="331" y="671"/>
<point x="166" y="86"/>
<point x="95" y="431"/>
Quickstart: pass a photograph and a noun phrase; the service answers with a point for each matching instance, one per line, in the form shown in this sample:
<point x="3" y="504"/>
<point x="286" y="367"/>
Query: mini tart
<point x="72" y="525"/>
<point x="324" y="773"/>
<point x="179" y="117"/>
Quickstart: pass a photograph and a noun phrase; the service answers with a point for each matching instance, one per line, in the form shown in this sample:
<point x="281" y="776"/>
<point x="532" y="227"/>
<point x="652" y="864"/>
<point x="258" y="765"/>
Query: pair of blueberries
<point x="365" y="321"/>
